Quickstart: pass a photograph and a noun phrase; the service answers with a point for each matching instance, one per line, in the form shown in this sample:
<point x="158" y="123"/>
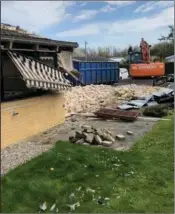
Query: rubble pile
<point x="129" y="92"/>
<point x="89" y="135"/>
<point x="88" y="98"/>
<point x="92" y="97"/>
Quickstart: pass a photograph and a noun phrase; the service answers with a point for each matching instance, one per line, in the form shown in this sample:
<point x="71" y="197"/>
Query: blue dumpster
<point x="98" y="72"/>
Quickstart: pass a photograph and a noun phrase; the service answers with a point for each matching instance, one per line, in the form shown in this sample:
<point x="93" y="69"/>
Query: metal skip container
<point x="98" y="72"/>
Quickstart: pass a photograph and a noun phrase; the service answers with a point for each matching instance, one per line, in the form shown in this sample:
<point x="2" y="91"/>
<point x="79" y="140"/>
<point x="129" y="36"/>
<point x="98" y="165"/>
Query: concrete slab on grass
<point x="63" y="132"/>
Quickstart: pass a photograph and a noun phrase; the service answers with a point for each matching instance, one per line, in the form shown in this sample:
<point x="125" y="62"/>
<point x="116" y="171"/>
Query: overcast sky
<point x="100" y="23"/>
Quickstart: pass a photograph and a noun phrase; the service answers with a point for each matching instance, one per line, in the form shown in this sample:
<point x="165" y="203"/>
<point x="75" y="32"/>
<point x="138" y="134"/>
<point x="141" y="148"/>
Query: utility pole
<point x="86" y="50"/>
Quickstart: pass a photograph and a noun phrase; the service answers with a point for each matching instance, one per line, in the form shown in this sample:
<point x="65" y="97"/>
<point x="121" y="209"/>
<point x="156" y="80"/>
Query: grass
<point x="141" y="180"/>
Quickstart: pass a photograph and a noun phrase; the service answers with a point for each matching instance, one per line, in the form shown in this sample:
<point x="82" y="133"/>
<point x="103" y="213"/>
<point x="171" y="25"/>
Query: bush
<point x="156" y="111"/>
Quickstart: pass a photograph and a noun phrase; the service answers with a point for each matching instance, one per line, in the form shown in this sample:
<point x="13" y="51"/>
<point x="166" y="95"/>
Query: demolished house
<point x="33" y="82"/>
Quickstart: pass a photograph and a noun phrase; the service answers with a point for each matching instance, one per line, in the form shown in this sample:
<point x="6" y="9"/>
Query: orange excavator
<point x="141" y="66"/>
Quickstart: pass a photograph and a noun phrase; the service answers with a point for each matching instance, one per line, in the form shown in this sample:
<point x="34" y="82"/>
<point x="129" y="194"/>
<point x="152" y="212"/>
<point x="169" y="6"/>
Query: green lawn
<point x="141" y="180"/>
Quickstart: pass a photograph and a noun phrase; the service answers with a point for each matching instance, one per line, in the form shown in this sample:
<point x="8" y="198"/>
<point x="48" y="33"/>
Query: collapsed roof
<point x="16" y="42"/>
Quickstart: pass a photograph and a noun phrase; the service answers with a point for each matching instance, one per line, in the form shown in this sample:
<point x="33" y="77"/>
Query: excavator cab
<point x="135" y="58"/>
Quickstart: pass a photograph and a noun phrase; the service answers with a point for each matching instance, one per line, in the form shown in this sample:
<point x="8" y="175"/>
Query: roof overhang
<point x="36" y="40"/>
<point x="170" y="58"/>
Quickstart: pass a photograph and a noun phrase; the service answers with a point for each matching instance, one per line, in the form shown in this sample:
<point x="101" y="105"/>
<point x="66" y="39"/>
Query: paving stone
<point x="89" y="138"/>
<point x="79" y="134"/>
<point x="81" y="141"/>
<point x="108" y="132"/>
<point x="88" y="130"/>
<point x="72" y="139"/>
<point x="86" y="127"/>
<point x="110" y="138"/>
<point x="104" y="136"/>
<point x="120" y="137"/>
<point x="107" y="143"/>
<point x="99" y="132"/>
<point x="129" y="132"/>
<point x="97" y="139"/>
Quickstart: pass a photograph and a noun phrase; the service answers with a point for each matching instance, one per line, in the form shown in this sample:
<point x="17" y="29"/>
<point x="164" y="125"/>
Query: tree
<point x="170" y="36"/>
<point x="166" y="47"/>
<point x="79" y="52"/>
<point x="162" y="49"/>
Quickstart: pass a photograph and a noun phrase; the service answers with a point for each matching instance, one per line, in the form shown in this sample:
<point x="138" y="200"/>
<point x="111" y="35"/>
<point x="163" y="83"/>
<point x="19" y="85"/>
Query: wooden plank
<point x="117" y="114"/>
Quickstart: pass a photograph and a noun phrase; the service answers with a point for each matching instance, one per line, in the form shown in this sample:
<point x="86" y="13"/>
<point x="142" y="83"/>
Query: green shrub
<point x="156" y="111"/>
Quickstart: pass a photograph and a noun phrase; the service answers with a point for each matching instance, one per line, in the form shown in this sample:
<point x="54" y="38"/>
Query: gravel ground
<point x="22" y="152"/>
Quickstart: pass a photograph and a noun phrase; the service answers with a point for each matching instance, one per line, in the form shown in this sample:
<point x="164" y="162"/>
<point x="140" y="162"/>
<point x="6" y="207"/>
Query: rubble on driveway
<point x="91" y="98"/>
<point x="164" y="95"/>
<point x="89" y="135"/>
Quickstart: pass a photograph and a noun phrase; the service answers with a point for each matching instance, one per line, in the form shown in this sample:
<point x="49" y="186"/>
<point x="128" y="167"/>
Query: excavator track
<point x="158" y="81"/>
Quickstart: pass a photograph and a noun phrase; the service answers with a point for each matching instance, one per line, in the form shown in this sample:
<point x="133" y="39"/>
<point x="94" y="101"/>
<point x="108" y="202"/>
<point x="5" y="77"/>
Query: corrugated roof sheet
<point x="38" y="75"/>
<point x="170" y="58"/>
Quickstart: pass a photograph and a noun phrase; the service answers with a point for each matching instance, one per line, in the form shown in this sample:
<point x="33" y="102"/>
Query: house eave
<point x="39" y="41"/>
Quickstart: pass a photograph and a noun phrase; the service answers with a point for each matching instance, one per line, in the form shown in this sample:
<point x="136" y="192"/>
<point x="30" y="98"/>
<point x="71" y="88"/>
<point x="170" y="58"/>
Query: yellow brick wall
<point x="35" y="115"/>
